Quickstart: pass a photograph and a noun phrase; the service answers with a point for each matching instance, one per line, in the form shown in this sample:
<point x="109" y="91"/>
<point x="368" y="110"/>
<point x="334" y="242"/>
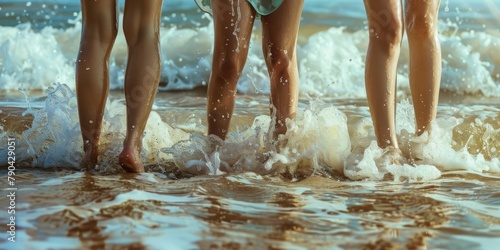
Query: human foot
<point x="130" y="161"/>
<point x="394" y="156"/>
<point x="413" y="146"/>
<point x="89" y="160"/>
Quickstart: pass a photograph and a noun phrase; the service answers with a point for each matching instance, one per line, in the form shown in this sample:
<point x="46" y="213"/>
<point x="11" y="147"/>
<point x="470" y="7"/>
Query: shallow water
<point x="308" y="195"/>
<point x="455" y="205"/>
<point x="63" y="209"/>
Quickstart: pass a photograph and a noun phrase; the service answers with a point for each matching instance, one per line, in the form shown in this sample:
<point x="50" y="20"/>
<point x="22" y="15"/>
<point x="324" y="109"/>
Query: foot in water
<point x="131" y="161"/>
<point x="393" y="156"/>
<point x="388" y="156"/>
<point x="412" y="146"/>
<point x="89" y="160"/>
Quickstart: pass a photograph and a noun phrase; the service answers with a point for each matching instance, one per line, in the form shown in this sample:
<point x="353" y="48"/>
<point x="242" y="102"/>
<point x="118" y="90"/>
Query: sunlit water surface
<point x="327" y="187"/>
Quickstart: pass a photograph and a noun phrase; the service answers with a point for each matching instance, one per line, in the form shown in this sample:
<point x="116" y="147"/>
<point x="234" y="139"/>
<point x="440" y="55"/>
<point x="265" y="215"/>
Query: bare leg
<point x="385" y="25"/>
<point x="279" y="40"/>
<point x="233" y="21"/>
<point x="425" y="59"/>
<point x="141" y="28"/>
<point x="92" y="75"/>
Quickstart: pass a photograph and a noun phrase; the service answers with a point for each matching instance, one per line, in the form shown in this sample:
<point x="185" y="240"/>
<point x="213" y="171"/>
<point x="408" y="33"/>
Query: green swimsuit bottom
<point x="263" y="7"/>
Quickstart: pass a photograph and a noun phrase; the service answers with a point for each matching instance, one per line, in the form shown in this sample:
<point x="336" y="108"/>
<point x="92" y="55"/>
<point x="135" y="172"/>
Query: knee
<point x="227" y="65"/>
<point x="137" y="34"/>
<point x="104" y="34"/>
<point x="419" y="26"/>
<point x="387" y="34"/>
<point x="278" y="59"/>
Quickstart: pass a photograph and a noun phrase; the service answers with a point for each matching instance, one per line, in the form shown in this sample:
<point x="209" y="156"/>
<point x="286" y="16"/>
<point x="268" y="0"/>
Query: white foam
<point x="33" y="60"/>
<point x="435" y="152"/>
<point x="54" y="138"/>
<point x="331" y="62"/>
<point x="469" y="66"/>
<point x="418" y="172"/>
<point x="319" y="136"/>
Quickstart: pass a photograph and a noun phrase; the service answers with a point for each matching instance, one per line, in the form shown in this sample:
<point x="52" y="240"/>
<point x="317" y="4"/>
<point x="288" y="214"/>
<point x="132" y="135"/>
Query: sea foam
<point x="331" y="62"/>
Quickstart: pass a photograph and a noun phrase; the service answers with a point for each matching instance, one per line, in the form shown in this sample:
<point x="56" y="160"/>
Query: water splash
<point x="236" y="23"/>
<point x="331" y="62"/>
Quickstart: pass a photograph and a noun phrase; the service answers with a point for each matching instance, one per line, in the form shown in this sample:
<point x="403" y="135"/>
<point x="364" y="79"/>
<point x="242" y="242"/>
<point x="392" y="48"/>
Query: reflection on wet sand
<point x="240" y="216"/>
<point x="249" y="211"/>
